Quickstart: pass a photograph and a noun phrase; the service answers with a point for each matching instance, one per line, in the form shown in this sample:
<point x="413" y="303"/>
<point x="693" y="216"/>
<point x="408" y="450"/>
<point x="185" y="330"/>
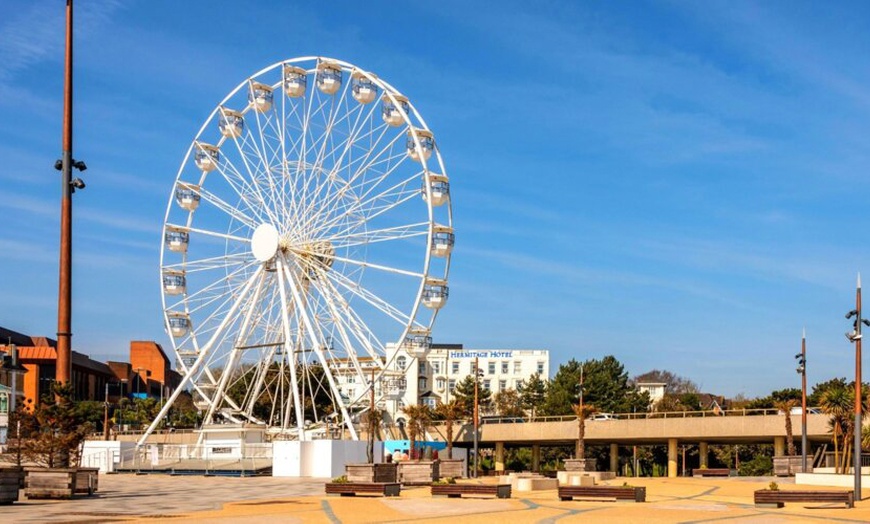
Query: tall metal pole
<point x="475" y="418"/>
<point x="803" y="368"/>
<point x="106" y="414"/>
<point x="63" y="369"/>
<point x="858" y="397"/>
<point x="370" y="450"/>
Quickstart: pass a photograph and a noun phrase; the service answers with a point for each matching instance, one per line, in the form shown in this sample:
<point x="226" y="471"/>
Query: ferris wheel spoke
<point x="370" y="297"/>
<point x="209" y="263"/>
<point x="313" y="337"/>
<point x="374" y="236"/>
<point x="374" y="208"/>
<point x="232" y="212"/>
<point x="345" y="318"/>
<point x="215" y="234"/>
<point x="248" y="189"/>
<point x="358" y="177"/>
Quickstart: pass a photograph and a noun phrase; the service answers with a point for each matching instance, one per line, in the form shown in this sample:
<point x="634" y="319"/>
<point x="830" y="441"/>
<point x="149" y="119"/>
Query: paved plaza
<point x="227" y="500"/>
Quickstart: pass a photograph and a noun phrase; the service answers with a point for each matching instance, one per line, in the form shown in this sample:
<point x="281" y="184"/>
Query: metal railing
<point x="742" y="412"/>
<point x="208" y="458"/>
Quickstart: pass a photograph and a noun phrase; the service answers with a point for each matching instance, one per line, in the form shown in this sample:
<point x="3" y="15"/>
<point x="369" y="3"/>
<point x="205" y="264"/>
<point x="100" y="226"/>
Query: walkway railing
<point x="646" y="415"/>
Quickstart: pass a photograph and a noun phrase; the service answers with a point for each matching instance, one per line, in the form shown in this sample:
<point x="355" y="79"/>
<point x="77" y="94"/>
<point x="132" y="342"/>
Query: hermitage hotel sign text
<point x="490" y="353"/>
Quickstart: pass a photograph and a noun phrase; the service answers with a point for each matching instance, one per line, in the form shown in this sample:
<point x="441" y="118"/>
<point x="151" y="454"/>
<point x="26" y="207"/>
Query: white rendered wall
<point x="104" y="454"/>
<point x="286" y="458"/>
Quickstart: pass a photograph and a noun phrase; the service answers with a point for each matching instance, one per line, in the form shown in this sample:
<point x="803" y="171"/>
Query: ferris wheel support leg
<point x="204" y="353"/>
<point x="236" y="353"/>
<point x="284" y="273"/>
<point x="309" y="325"/>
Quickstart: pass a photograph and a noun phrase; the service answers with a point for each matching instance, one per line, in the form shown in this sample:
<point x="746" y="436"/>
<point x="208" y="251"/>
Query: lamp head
<point x="852" y="313"/>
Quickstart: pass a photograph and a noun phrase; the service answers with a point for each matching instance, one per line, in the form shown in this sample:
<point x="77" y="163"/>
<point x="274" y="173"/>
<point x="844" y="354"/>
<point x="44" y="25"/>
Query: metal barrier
<point x="230" y="460"/>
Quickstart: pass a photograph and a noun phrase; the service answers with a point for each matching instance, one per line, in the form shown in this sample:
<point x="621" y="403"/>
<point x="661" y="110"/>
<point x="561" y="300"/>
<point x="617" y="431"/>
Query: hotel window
<point x="422" y="383"/>
<point x="436" y="367"/>
<point x="451" y="384"/>
<point x="504" y="368"/>
<point x="486" y="383"/>
<point x="422" y="368"/>
<point x="471" y="368"/>
<point x="351" y="379"/>
<point x="518" y="367"/>
<point x="454" y="368"/>
<point x="519" y="385"/>
<point x="491" y="368"/>
<point x="540" y="368"/>
<point x="350" y="393"/>
<point x="400" y="363"/>
<point x="439" y="384"/>
<point x="502" y="385"/>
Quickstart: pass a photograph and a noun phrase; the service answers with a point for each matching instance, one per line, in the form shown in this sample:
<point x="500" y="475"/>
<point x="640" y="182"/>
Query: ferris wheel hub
<point x="264" y="242"/>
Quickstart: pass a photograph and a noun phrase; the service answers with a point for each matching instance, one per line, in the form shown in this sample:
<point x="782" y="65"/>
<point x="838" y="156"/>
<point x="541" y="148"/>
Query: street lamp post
<point x="477" y="375"/>
<point x="855" y="337"/>
<point x="106" y="413"/>
<point x="802" y="371"/>
<point x="69" y="184"/>
<point x="121" y="404"/>
<point x="13" y="368"/>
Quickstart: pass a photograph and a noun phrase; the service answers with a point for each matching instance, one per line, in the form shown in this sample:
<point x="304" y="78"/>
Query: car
<point x="603" y="416"/>
<point x="797" y="410"/>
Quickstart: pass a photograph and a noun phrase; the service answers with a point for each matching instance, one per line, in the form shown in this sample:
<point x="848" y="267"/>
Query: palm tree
<point x="838" y="403"/>
<point x="450" y="411"/>
<point x="785" y="406"/>
<point x="419" y="419"/>
<point x="582" y="412"/>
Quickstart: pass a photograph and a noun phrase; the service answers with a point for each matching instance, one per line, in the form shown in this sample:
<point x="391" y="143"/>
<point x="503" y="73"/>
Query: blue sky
<point x="679" y="184"/>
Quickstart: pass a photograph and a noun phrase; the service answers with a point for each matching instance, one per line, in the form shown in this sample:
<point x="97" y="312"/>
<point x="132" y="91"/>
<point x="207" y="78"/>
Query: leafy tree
<point x="533" y="393"/>
<point x="507" y="404"/>
<point x="780" y="395"/>
<point x="419" y="420"/>
<point x="785" y="406"/>
<point x="449" y="412"/>
<point x="464" y="393"/>
<point x="605" y="384"/>
<point x="52" y="434"/>
<point x="838" y="402"/>
<point x="815" y="398"/>
<point x="583" y="412"/>
<point x="676" y="384"/>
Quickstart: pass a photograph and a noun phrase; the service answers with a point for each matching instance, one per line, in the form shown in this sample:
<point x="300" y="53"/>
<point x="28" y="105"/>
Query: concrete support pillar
<point x="499" y="456"/>
<point x="536" y="457"/>
<point x="704" y="454"/>
<point x="672" y="458"/>
<point x="614" y="458"/>
<point x="778" y="446"/>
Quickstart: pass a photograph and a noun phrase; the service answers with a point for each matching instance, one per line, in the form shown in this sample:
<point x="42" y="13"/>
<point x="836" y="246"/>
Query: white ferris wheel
<point x="309" y="227"/>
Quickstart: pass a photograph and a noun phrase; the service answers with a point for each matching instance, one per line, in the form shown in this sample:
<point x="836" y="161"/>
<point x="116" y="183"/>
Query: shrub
<point x="340" y="480"/>
<point x="773" y="486"/>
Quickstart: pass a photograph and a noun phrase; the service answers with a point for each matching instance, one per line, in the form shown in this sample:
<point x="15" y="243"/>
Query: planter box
<point x="765" y="498"/>
<point x="383" y="472"/>
<point x="628" y="494"/>
<point x="10" y="479"/>
<point x="453" y="468"/>
<point x="501" y="491"/>
<point x="352" y="489"/>
<point x="587" y="464"/>
<point x="419" y="472"/>
<point x="59" y="483"/>
<point x="787" y="465"/>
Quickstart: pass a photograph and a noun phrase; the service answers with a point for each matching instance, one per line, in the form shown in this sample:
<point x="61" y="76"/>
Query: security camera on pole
<point x="802" y="371"/>
<point x="854" y="336"/>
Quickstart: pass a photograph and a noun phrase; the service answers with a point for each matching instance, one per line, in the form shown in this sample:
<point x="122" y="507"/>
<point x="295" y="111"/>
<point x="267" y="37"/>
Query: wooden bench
<point x="501" y="491"/>
<point x="351" y="489"/>
<point x="712" y="472"/>
<point x="618" y="493"/>
<point x="765" y="498"/>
